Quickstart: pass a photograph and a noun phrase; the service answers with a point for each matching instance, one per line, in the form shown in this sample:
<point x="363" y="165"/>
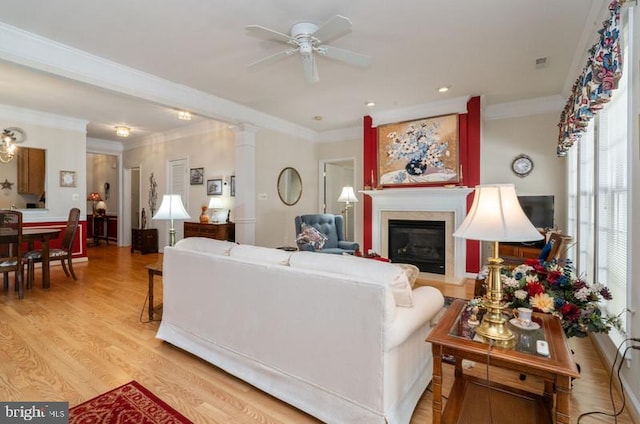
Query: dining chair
<point x="11" y="248"/>
<point x="64" y="253"/>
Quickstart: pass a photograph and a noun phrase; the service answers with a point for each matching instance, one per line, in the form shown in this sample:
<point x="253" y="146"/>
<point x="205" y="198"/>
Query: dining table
<point x="32" y="234"/>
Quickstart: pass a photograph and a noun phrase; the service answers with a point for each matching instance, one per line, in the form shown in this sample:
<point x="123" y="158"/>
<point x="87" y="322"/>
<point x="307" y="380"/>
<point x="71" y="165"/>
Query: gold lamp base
<point x="493" y="329"/>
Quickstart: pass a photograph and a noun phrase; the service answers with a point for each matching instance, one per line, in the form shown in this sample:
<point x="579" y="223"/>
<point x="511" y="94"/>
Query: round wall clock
<point x="522" y="165"/>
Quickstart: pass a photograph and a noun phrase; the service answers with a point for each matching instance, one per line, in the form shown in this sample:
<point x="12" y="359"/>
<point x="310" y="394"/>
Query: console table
<point x="218" y="231"/>
<point x="467" y="400"/>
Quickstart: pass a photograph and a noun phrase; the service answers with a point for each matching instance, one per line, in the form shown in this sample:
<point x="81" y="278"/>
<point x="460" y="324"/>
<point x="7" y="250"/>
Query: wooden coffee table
<point x="465" y="399"/>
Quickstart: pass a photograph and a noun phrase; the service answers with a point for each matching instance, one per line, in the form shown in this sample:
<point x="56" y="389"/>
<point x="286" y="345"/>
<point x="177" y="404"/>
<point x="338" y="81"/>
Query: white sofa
<point x="323" y="333"/>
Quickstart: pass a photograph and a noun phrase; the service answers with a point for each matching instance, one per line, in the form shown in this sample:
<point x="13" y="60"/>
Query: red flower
<point x="570" y="312"/>
<point x="534" y="288"/>
<point x="553" y="276"/>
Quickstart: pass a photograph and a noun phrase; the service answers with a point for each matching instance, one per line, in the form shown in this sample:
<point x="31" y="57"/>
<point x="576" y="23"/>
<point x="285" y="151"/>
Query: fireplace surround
<point x="423" y="204"/>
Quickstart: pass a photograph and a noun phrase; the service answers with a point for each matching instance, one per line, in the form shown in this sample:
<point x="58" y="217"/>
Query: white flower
<point x="510" y="282"/>
<point x="542" y="301"/>
<point x="583" y="294"/>
<point x="531" y="278"/>
<point x="520" y="294"/>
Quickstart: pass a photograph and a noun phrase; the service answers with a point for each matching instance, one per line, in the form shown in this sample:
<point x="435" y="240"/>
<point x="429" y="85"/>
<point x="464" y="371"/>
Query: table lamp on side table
<point x="496" y="215"/>
<point x="171" y="208"/>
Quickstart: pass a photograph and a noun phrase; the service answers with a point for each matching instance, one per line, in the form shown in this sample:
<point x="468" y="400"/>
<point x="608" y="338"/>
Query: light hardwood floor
<point x="79" y="339"/>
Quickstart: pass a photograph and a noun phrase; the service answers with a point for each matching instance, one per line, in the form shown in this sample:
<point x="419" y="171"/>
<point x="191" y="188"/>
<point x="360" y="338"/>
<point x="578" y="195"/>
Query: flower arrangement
<point x="419" y="145"/>
<point x="552" y="287"/>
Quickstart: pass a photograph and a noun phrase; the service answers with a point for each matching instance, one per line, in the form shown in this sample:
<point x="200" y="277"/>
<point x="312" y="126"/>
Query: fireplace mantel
<point x="422" y="199"/>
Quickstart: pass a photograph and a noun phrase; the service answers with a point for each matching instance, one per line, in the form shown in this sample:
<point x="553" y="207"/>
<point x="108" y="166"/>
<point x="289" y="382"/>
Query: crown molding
<point x="31" y="50"/>
<point x="522" y="108"/>
<point x="98" y="145"/>
<point x="443" y="107"/>
<point x="49" y="120"/>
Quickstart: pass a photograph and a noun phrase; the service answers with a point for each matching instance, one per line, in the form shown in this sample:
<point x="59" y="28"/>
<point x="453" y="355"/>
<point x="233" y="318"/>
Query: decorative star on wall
<point x="6" y="185"/>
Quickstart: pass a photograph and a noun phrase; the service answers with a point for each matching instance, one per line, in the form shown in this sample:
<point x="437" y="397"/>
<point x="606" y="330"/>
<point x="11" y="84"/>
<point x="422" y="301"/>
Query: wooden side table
<point x="449" y="338"/>
<point x="153" y="269"/>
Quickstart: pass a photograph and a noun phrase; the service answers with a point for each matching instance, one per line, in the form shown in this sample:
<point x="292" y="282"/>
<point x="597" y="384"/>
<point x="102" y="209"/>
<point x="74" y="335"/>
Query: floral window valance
<point x="594" y="87"/>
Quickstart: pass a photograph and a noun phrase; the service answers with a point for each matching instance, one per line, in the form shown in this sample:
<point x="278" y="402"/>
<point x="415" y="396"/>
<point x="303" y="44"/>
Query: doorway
<point x="335" y="174"/>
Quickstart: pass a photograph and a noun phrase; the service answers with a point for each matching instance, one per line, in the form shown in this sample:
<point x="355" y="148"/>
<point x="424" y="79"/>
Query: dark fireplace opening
<point x="421" y="243"/>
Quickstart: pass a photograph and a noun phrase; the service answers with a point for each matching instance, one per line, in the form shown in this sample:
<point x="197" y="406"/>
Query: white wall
<point x="536" y="136"/>
<point x="274" y="220"/>
<point x="64" y="140"/>
<point x="208" y="145"/>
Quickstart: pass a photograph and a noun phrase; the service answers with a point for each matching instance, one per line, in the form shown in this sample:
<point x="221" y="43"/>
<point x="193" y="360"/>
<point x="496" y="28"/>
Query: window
<point x="598" y="196"/>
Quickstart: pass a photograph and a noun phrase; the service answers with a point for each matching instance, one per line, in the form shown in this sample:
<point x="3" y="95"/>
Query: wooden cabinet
<point x="31" y="164"/>
<point x="518" y="250"/>
<point x="224" y="231"/>
<point x="144" y="240"/>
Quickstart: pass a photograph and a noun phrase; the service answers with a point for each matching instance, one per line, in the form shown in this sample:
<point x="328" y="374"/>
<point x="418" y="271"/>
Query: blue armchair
<point x="331" y="226"/>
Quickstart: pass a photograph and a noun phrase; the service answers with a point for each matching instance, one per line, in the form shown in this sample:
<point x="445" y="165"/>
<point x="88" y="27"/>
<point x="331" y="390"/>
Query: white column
<point x="245" y="200"/>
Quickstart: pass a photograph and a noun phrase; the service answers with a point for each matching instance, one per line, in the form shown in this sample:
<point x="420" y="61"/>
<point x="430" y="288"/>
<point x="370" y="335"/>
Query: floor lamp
<point x="171" y="208"/>
<point x="347" y="196"/>
<point x="496" y="216"/>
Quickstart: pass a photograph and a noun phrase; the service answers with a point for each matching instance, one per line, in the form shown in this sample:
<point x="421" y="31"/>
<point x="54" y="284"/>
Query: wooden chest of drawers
<point x="223" y="231"/>
<point x="144" y="240"/>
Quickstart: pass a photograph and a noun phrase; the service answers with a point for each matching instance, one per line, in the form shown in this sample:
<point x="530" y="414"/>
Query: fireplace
<point x="436" y="204"/>
<point x="421" y="243"/>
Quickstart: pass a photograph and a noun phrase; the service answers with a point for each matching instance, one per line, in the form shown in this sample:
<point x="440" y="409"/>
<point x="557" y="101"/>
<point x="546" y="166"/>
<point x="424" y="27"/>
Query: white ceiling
<point x="478" y="47"/>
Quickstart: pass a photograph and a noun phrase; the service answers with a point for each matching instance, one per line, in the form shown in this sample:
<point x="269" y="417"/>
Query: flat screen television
<point x="539" y="210"/>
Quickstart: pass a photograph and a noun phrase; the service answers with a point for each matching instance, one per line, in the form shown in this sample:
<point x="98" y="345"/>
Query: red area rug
<point x="127" y="404"/>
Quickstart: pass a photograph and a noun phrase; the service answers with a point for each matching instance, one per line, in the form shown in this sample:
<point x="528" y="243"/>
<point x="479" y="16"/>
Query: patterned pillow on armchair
<point x="309" y="235"/>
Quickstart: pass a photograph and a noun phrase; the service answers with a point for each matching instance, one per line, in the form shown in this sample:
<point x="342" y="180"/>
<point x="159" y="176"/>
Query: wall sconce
<point x="122" y="131"/>
<point x="10" y="137"/>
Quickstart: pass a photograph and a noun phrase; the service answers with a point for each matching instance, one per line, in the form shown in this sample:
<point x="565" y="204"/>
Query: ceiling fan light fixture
<point x="122" y="131"/>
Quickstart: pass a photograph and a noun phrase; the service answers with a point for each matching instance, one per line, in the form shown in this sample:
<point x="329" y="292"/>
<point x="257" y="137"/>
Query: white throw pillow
<point x="411" y="271"/>
<point x="206" y="245"/>
<point x="361" y="268"/>
<point x="261" y="254"/>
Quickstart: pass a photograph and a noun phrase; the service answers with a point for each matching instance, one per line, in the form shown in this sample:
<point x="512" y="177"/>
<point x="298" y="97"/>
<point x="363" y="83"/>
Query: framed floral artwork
<point x="67" y="178"/>
<point x="420" y="152"/>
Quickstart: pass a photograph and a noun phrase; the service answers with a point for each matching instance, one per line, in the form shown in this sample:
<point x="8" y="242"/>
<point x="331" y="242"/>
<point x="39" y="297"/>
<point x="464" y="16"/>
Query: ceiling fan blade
<point x="271" y="59"/>
<point x="309" y="68"/>
<point x="333" y="28"/>
<point x="343" y="55"/>
<point x="267" y="34"/>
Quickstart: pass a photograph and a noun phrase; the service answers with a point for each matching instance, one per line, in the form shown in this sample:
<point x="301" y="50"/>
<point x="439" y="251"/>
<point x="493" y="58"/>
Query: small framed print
<point x="196" y="176"/>
<point x="214" y="187"/>
<point x="233" y="186"/>
<point x="67" y="178"/>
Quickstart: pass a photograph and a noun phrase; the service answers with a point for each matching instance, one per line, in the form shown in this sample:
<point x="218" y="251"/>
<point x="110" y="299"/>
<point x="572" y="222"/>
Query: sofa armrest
<point x="427" y="302"/>
<point x="348" y="245"/>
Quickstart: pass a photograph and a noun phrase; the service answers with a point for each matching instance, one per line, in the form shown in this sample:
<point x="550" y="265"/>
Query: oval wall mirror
<point x="289" y="186"/>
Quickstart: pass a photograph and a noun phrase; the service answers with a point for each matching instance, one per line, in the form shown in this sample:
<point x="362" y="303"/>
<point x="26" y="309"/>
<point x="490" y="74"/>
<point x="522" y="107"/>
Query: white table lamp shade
<point x="496" y="215"/>
<point x="215" y="203"/>
<point x="171" y="208"/>
<point x="347" y="195"/>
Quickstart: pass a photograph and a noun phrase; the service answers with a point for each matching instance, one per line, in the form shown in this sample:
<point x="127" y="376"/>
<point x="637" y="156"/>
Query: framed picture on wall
<point x="196" y="176"/>
<point x="233" y="186"/>
<point x="214" y="187"/>
<point x="67" y="178"/>
<point x="420" y="152"/>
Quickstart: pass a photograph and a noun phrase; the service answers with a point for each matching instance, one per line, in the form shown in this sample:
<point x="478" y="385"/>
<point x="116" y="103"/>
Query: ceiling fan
<point x="308" y="39"/>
